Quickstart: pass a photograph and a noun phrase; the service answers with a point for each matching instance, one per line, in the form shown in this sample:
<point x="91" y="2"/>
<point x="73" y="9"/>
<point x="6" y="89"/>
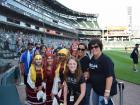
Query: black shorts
<point x="25" y="79"/>
<point x="135" y="60"/>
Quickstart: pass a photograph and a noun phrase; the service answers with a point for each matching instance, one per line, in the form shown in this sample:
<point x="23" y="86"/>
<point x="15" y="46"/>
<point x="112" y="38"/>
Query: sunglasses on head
<point x="92" y="47"/>
<point x="81" y="49"/>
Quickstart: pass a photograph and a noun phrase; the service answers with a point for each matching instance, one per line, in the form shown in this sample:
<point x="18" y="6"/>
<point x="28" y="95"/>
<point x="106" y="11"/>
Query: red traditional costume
<point x="59" y="77"/>
<point x="36" y="88"/>
<point x="49" y="76"/>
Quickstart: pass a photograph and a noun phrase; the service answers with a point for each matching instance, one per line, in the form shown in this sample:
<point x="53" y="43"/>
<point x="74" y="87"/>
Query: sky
<point x="111" y="12"/>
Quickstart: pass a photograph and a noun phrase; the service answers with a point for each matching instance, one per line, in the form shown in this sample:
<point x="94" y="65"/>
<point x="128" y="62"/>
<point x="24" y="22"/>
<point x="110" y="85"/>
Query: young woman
<point x="73" y="48"/>
<point x="49" y="77"/>
<point x="36" y="89"/>
<point x="59" y="74"/>
<point x="74" y="83"/>
<point x="84" y="62"/>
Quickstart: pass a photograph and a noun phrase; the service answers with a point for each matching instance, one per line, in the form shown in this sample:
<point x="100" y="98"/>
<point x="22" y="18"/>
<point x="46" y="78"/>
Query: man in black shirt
<point x="135" y="55"/>
<point x="102" y="75"/>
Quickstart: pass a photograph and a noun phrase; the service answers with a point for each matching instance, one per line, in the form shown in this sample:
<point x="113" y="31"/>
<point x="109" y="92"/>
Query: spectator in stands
<point x="41" y="40"/>
<point x="84" y="62"/>
<point x="36" y="52"/>
<point x="18" y="43"/>
<point x="36" y="48"/>
<point x="37" y="45"/>
<point x="102" y="76"/>
<point x="74" y="83"/>
<point x="6" y="45"/>
<point x="135" y="55"/>
<point x="43" y="49"/>
<point x="21" y="50"/>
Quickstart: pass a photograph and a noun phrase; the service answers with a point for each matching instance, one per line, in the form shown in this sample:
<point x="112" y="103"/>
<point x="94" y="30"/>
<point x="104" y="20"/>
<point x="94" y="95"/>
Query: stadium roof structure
<point x="117" y="28"/>
<point x="57" y="6"/>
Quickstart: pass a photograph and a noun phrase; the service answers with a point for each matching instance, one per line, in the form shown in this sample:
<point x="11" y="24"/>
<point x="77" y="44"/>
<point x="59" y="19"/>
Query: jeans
<point x="87" y="95"/>
<point x="96" y="99"/>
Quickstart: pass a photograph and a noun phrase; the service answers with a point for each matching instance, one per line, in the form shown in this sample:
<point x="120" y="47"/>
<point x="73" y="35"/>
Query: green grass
<point x="123" y="66"/>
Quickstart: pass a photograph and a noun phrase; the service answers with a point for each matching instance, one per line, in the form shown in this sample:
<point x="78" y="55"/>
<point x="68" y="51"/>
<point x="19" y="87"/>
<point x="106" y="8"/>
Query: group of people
<point x="68" y="76"/>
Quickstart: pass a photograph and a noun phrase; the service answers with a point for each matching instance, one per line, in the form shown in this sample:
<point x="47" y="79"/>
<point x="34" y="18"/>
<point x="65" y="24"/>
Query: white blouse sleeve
<point x="55" y="85"/>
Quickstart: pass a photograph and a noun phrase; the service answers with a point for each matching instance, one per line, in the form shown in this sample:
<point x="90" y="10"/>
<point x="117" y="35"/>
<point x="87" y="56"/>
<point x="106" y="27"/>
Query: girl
<point x="49" y="76"/>
<point x="36" y="88"/>
<point x="73" y="48"/>
<point x="59" y="74"/>
<point x="74" y="83"/>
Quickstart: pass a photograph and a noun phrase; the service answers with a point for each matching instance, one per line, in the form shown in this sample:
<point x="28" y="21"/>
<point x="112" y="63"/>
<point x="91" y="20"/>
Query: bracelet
<point x="107" y="91"/>
<point x="106" y="94"/>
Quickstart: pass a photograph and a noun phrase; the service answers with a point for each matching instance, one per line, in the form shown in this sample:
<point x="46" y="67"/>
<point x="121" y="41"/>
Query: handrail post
<point x="121" y="88"/>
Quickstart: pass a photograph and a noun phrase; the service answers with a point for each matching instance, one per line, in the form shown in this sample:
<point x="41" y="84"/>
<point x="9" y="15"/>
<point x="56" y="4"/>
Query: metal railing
<point x="121" y="88"/>
<point x="10" y="76"/>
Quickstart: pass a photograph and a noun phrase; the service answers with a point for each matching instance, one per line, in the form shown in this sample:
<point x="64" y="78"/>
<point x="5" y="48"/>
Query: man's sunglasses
<point x="81" y="49"/>
<point x="92" y="47"/>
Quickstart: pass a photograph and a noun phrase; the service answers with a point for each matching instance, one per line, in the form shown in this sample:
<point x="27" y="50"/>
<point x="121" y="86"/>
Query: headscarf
<point x="63" y="51"/>
<point x="49" y="52"/>
<point x="37" y="57"/>
<point x="33" y="71"/>
<point x="66" y="53"/>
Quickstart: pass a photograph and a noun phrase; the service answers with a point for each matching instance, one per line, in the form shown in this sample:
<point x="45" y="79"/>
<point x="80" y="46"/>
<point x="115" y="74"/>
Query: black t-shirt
<point x="100" y="69"/>
<point x="74" y="86"/>
<point x="84" y="62"/>
<point x="135" y="53"/>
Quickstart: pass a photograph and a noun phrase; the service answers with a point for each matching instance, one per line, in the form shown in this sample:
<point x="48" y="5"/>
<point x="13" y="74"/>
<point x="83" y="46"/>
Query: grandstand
<point x="88" y="28"/>
<point x="118" y="37"/>
<point x="43" y="21"/>
<point x="47" y="17"/>
<point x="86" y="24"/>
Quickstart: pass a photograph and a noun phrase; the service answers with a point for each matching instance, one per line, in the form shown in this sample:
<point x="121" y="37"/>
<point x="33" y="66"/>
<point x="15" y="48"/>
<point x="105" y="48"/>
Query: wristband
<point x="106" y="94"/>
<point x="107" y="91"/>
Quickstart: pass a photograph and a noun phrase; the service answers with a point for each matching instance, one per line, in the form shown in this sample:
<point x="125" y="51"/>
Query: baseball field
<point x="123" y="66"/>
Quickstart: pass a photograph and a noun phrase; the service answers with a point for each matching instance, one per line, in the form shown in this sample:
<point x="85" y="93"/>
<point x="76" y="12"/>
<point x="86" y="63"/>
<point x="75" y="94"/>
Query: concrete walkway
<point x="131" y="94"/>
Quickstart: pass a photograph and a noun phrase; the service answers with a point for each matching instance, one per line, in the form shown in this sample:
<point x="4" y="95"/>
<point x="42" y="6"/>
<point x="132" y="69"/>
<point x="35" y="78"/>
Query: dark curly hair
<point x="95" y="41"/>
